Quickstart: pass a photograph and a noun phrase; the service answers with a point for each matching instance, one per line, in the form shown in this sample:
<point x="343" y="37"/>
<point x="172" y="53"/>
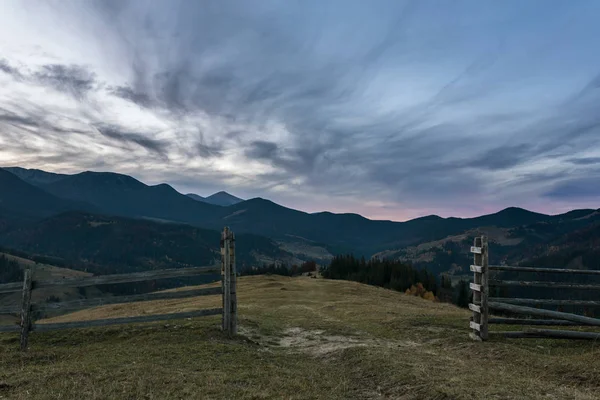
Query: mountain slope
<point x="567" y="239"/>
<point x="219" y="199"/>
<point x="21" y="200"/>
<point x="195" y="197"/>
<point x="35" y="177"/>
<point x="223" y="199"/>
<point x="103" y="244"/>
<point x="123" y="195"/>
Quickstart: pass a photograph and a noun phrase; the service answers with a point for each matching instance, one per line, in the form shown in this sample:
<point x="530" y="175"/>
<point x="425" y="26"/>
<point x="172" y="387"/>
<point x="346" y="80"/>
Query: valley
<point x="107" y="223"/>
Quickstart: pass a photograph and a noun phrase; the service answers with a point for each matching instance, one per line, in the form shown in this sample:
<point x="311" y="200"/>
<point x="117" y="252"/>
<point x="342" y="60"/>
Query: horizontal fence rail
<point x="554" y="285"/>
<point x="482" y="305"/>
<point x="227" y="290"/>
<point x="103" y="301"/>
<point x="543" y="270"/>
<point x="544" y="313"/>
<point x="551" y="302"/>
<point x="112" y="279"/>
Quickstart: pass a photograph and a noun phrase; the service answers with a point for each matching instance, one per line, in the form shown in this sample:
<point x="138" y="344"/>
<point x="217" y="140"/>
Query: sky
<point x="391" y="109"/>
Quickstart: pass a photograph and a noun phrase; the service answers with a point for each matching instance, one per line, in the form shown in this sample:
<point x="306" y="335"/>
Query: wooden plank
<point x="544" y="313"/>
<point x="233" y="285"/>
<point x="26" y="308"/>
<point x="476" y="249"/>
<point x="555" y="285"/>
<point x="10" y="328"/>
<point x="102" y="301"/>
<point x="12" y="287"/>
<point x="474" y="308"/>
<point x="129" y="320"/>
<point x="544" y="270"/>
<point x="475" y="287"/>
<point x="475" y="326"/>
<point x="475" y="268"/>
<point x="226" y="283"/>
<point x="529" y="321"/>
<point x="550" y="333"/>
<point x="589" y="303"/>
<point x="484" y="287"/>
<point x="126" y="278"/>
<point x="10" y="310"/>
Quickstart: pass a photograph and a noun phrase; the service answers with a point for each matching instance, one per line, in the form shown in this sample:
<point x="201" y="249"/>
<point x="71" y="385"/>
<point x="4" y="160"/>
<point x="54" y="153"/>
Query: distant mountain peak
<point x="221" y="198"/>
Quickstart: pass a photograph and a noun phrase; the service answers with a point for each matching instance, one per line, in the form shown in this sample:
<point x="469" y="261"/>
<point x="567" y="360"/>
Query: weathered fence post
<point x="26" y="307"/>
<point x="479" y="322"/>
<point x="232" y="286"/>
<point x="484" y="289"/>
<point x="226" y="280"/>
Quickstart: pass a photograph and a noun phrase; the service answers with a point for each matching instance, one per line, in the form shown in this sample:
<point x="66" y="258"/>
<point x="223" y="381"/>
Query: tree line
<point x="395" y="275"/>
<point x="281" y="269"/>
<point x="10" y="270"/>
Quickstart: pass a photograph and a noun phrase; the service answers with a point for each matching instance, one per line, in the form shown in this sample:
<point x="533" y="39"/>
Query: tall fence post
<point x="232" y="286"/>
<point x="226" y="280"/>
<point x="26" y="307"/>
<point x="484" y="287"/>
<point x="479" y="322"/>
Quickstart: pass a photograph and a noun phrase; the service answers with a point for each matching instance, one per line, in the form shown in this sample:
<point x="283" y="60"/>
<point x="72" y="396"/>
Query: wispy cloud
<point x="424" y="107"/>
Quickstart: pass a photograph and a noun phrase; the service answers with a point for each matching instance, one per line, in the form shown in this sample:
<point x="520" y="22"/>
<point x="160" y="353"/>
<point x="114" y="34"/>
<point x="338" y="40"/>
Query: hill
<point x="568" y="239"/>
<point x="440" y="244"/>
<point x="300" y="338"/>
<point x="20" y="200"/>
<point x="104" y="244"/>
<point x="219" y="199"/>
<point x="35" y="176"/>
<point x="117" y="194"/>
<point x="195" y="197"/>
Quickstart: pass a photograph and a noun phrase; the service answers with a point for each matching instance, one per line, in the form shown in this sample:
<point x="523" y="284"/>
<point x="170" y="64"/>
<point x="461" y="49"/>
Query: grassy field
<point x="44" y="272"/>
<point x="300" y="338"/>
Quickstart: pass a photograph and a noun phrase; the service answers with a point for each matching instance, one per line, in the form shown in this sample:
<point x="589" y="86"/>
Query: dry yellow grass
<point x="300" y="338"/>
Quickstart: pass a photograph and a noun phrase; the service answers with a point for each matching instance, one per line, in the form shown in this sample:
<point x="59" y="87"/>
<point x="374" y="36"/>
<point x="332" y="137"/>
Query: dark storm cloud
<point x="74" y="79"/>
<point x="156" y="146"/>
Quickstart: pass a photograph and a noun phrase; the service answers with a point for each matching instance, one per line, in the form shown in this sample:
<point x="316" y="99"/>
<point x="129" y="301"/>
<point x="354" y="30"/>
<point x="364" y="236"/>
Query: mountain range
<point x="41" y="212"/>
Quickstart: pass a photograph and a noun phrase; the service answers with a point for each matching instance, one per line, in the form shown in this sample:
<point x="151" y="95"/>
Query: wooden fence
<point x="483" y="304"/>
<point x="27" y="310"/>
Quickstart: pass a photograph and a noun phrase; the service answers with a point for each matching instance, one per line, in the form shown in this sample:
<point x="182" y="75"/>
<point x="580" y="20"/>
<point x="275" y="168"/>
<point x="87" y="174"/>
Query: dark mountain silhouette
<point x="117" y="194"/>
<point x="195" y="197"/>
<point x="223" y="199"/>
<point x="344" y="232"/>
<point x="122" y="195"/>
<point x="21" y="200"/>
<point x="104" y="244"/>
<point x="35" y="177"/>
<point x="220" y="199"/>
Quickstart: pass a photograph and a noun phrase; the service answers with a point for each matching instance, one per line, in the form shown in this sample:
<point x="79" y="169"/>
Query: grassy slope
<point x="43" y="272"/>
<point x="300" y="338"/>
